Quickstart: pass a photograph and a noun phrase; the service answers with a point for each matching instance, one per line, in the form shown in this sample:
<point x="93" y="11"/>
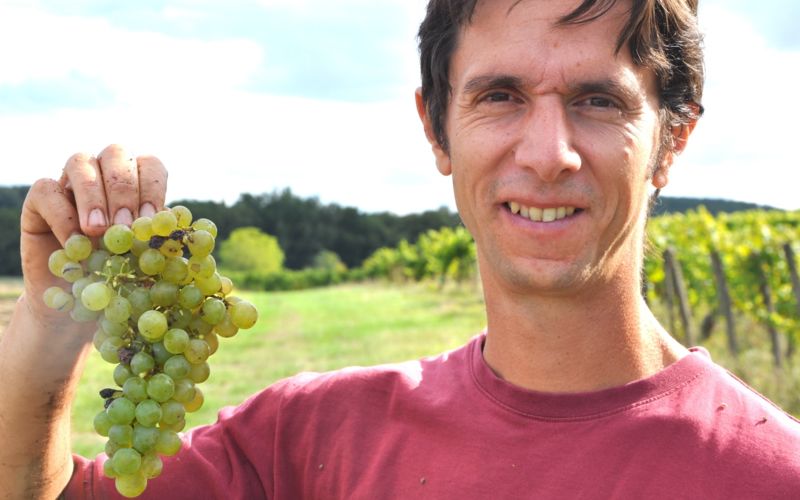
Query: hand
<point x="92" y="193"/>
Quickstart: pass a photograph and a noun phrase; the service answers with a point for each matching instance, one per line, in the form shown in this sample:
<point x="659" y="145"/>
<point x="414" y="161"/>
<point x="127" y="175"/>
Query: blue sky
<point x="317" y="95"/>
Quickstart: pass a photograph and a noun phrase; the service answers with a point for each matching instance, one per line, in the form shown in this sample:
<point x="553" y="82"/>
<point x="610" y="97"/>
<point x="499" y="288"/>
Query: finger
<point x="121" y="181"/>
<point x="152" y="185"/>
<point x="48" y="208"/>
<point x="82" y="176"/>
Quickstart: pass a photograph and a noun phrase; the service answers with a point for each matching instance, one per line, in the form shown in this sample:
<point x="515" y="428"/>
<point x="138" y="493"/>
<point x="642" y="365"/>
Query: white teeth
<point x="541" y="214"/>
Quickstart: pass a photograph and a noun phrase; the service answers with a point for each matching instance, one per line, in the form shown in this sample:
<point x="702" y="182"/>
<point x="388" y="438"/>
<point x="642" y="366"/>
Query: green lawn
<point x="317" y="330"/>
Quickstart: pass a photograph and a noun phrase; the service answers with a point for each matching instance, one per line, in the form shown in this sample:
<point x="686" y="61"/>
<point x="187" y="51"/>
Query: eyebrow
<point x="603" y="86"/>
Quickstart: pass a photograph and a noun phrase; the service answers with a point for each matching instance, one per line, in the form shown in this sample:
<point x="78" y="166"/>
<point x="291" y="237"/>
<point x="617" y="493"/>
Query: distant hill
<point x="669" y="204"/>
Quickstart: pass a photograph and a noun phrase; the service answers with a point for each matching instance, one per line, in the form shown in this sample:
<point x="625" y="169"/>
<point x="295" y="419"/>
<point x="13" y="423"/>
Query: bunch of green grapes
<point x="160" y="307"/>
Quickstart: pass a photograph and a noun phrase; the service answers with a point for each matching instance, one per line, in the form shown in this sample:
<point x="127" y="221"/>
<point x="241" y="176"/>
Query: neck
<point x="581" y="343"/>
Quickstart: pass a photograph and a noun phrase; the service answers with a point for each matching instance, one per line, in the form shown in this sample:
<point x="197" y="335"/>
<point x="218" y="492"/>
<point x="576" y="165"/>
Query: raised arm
<point x="42" y="351"/>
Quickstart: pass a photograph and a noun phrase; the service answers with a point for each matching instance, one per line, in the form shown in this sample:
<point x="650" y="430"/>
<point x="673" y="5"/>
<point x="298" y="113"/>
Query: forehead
<point x="524" y="38"/>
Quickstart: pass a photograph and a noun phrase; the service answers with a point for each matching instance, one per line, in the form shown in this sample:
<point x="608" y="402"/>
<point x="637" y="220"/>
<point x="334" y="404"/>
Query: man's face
<point x="550" y="122"/>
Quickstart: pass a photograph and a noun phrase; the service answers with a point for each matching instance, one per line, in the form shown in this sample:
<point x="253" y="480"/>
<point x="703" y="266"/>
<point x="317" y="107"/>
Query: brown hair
<point x="662" y="35"/>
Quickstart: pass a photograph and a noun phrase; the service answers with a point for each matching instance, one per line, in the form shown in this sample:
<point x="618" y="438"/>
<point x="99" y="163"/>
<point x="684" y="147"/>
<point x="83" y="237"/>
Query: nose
<point x="545" y="144"/>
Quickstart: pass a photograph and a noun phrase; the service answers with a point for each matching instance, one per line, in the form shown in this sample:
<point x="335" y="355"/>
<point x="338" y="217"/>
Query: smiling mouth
<point x="542" y="214"/>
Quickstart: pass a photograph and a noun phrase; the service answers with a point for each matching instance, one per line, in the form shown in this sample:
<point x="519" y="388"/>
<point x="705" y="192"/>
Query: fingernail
<point x="147" y="210"/>
<point x="97" y="218"/>
<point x="123" y="216"/>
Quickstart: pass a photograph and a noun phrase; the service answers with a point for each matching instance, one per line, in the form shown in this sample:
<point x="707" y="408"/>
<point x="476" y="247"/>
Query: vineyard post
<point x="674" y="266"/>
<point x="766" y="295"/>
<point x="669" y="295"/>
<point x="725" y="301"/>
<point x="790" y="259"/>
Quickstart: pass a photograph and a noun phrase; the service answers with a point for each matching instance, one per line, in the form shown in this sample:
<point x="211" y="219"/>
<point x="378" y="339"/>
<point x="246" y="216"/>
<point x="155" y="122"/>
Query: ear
<point x="442" y="157"/>
<point x="680" y="138"/>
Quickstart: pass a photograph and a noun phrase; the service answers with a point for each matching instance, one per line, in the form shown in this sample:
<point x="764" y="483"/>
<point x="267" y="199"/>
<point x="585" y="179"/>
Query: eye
<point x="599" y="102"/>
<point x="497" y="97"/>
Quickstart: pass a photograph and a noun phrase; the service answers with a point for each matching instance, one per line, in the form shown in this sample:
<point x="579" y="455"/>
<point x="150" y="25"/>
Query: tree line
<point x="304" y="227"/>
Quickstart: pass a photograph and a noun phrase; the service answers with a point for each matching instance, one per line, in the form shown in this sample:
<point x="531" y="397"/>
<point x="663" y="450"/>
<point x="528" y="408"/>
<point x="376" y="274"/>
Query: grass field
<point x="324" y="329"/>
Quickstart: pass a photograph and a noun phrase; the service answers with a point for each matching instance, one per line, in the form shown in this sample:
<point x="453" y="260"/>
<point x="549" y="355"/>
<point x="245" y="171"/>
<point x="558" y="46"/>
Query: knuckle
<point x="113" y="150"/>
<point x="79" y="159"/>
<point x="89" y="184"/>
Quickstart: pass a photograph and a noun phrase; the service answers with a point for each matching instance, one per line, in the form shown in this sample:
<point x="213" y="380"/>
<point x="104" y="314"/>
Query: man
<point x="556" y="121"/>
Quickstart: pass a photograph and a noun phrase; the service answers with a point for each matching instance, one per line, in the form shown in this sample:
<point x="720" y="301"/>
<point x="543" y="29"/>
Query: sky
<point x="318" y="96"/>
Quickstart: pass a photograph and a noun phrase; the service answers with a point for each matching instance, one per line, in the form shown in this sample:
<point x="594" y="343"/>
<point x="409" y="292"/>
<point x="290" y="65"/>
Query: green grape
<point x="78" y="247"/>
<point x="243" y="314"/>
<point x="56" y="262"/>
<point x="152" y="465"/>
<point x="121" y="374"/>
<point x="203" y="267"/>
<point x="226" y="328"/>
<point x="171" y="249"/>
<point x="183" y="216"/>
<point x="177" y="367"/>
<point x="227" y="285"/>
<point x="184" y="390"/>
<point x="213" y="342"/>
<point x="179" y="317"/>
<point x="116" y="264"/>
<point x="176" y="270"/>
<point x="71" y="271"/>
<point x="142" y="362"/>
<point x="197" y="351"/>
<point x="210" y="285"/>
<point x="140" y="302"/>
<point x="142" y="228"/>
<point x="152" y="262"/>
<point x="121" y="434"/>
<point x="96" y="296"/>
<point x="198" y="327"/>
<point x="108" y="469"/>
<point x="148" y="412"/>
<point x="199" y="373"/>
<point x="80" y="284"/>
<point x="56" y="298"/>
<point x="176" y="340"/>
<point x="190" y="297"/>
<point x="164" y="223"/>
<point x="131" y="485"/>
<point x="197" y="401"/>
<point x="172" y="412"/>
<point x="160" y="353"/>
<point x="138" y="247"/>
<point x="160" y="387"/>
<point x="99" y="337"/>
<point x="109" y="350"/>
<point x="176" y="427"/>
<point x="102" y="423"/>
<point x="213" y="311"/>
<point x="164" y="293"/>
<point x="200" y="243"/>
<point x="121" y="410"/>
<point x="144" y="438"/>
<point x="111" y="448"/>
<point x="205" y="225"/>
<point x="97" y="260"/>
<point x="80" y="314"/>
<point x="135" y="389"/>
<point x="169" y="443"/>
<point x="118" y="309"/>
<point x="113" y="328"/>
<point x="127" y="461"/>
<point x="118" y="238"/>
<point x="152" y="325"/>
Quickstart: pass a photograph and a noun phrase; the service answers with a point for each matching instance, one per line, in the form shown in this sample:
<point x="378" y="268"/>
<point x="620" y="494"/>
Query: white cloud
<point x="743" y="147"/>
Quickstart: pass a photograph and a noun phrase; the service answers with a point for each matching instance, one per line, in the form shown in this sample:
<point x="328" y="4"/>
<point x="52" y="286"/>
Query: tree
<point x="250" y="249"/>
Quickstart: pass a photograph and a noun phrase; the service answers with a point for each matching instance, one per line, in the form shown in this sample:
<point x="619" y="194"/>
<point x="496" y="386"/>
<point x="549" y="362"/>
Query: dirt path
<point x="10" y="288"/>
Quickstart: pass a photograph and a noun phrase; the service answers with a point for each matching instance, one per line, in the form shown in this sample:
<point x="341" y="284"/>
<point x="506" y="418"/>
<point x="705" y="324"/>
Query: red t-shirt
<point x="448" y="428"/>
